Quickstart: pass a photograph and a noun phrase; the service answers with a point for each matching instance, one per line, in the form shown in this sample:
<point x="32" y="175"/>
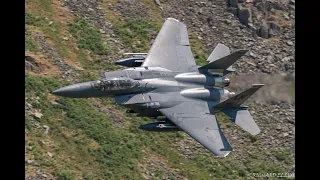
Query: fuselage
<point x="142" y="88"/>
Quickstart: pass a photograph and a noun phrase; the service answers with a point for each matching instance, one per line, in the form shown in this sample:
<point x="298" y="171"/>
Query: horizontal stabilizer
<point x="243" y="119"/>
<point x="225" y="62"/>
<point x="219" y="51"/>
<point x="237" y="100"/>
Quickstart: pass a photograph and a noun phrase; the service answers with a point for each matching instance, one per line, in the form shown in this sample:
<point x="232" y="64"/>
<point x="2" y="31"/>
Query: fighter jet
<point x="167" y="85"/>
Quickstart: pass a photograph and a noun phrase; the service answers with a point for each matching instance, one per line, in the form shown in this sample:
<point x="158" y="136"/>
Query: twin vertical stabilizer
<point x="221" y="59"/>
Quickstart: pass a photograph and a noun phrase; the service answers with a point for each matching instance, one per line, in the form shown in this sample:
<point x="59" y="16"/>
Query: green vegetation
<point x="279" y="16"/>
<point x="85" y="37"/>
<point x="50" y="28"/>
<point x="253" y="138"/>
<point x="88" y="37"/>
<point x="283" y="155"/>
<point x="66" y="175"/>
<point x="198" y="49"/>
<point x="95" y="65"/>
<point x="292" y="90"/>
<point x="85" y="176"/>
<point x="153" y="11"/>
<point x="44" y="4"/>
<point x="30" y="44"/>
<point x="136" y="34"/>
<point x="32" y="20"/>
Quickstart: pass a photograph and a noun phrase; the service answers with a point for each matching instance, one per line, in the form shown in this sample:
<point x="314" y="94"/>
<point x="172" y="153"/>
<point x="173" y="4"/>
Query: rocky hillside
<point x="69" y="41"/>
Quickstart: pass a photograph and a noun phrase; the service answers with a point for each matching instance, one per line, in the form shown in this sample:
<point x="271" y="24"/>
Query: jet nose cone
<point x="80" y="90"/>
<point x="68" y="91"/>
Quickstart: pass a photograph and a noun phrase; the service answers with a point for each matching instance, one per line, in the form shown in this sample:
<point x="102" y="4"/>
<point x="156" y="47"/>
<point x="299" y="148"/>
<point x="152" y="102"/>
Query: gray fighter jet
<point x="167" y="85"/>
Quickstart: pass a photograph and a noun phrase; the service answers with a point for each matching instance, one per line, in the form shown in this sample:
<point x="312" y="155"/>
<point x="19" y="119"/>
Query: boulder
<point x="244" y="15"/>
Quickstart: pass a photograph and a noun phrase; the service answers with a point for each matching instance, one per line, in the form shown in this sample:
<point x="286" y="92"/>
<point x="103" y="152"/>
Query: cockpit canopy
<point x="114" y="84"/>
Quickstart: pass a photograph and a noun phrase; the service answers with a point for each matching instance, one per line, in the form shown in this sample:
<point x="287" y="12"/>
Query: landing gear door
<point x="131" y="99"/>
<point x="147" y="97"/>
<point x="153" y="97"/>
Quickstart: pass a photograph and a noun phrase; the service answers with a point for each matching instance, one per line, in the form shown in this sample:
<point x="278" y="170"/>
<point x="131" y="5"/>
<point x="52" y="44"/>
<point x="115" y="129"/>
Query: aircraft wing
<point x="171" y="48"/>
<point x="195" y="120"/>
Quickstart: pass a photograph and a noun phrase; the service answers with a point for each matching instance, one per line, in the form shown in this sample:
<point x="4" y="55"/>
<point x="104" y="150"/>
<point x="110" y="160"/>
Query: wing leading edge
<point x="171" y="48"/>
<point x="201" y="126"/>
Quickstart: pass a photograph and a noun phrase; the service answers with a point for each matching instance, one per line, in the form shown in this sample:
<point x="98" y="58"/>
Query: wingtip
<point x="227" y="154"/>
<point x="223" y="45"/>
<point x="224" y="155"/>
<point x="258" y="85"/>
<point x="224" y="152"/>
<point x="255" y="132"/>
<point x="170" y="18"/>
<point x="243" y="50"/>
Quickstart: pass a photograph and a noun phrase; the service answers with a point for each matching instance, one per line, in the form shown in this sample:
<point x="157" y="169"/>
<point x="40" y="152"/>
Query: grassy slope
<point x="86" y="143"/>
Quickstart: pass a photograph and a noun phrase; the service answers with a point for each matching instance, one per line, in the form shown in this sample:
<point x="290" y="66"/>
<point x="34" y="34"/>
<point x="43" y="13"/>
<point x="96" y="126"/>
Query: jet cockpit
<point x="114" y="84"/>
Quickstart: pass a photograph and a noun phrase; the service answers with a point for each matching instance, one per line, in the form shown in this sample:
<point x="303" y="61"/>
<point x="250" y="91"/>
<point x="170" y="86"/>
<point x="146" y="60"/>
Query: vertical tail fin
<point x="219" y="51"/>
<point x="225" y="62"/>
